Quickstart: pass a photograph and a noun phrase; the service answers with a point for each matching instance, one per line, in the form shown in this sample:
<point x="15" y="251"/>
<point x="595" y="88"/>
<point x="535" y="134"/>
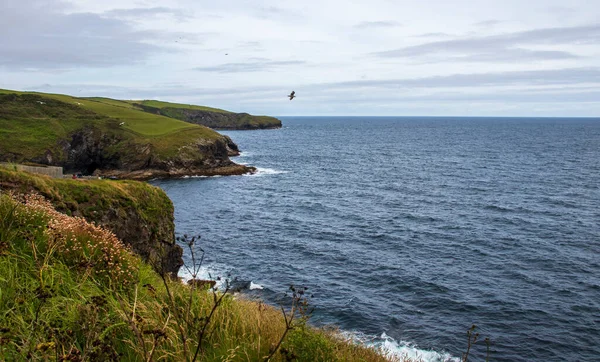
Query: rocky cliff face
<point x="93" y="151"/>
<point x="216" y="120"/>
<point x="139" y="214"/>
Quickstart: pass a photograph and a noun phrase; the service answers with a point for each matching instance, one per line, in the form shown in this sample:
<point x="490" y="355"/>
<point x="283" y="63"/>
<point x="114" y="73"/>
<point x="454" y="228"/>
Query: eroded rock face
<point x="153" y="240"/>
<point x="91" y="151"/>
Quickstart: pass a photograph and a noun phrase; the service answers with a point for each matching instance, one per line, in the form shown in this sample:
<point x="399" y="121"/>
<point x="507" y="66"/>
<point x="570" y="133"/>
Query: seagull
<point x="292" y="95"/>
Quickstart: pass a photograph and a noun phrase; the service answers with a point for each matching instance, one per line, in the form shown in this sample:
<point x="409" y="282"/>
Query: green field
<point x="160" y="104"/>
<point x="33" y="122"/>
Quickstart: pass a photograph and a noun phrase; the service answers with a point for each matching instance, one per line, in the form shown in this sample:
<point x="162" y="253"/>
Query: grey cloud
<point x="432" y="35"/>
<point x="258" y="65"/>
<point x="487" y="47"/>
<point x="567" y="76"/>
<point x="487" y="23"/>
<point x="50" y="39"/>
<point x="517" y="54"/>
<point x="147" y="12"/>
<point x="377" y="24"/>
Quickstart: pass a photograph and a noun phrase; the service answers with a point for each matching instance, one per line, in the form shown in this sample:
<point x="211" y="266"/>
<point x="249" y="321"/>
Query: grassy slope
<point x="160" y="104"/>
<point x="240" y="121"/>
<point x="62" y="304"/>
<point x="87" y="198"/>
<point x="31" y="127"/>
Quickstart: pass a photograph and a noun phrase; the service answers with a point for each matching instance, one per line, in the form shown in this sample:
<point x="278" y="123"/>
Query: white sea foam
<point x="399" y="350"/>
<point x="211" y="272"/>
<point x="260" y="171"/>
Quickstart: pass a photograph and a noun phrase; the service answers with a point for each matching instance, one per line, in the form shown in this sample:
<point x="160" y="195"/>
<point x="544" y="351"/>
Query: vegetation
<point x="71" y="291"/>
<point x="33" y="123"/>
<point x="139" y="213"/>
<point x="88" y="198"/>
<point x="209" y="117"/>
<point x="161" y="105"/>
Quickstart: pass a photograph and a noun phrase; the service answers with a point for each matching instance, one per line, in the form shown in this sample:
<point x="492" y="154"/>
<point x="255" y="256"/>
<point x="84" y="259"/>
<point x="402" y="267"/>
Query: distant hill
<point x="210" y="117"/>
<point x="108" y="137"/>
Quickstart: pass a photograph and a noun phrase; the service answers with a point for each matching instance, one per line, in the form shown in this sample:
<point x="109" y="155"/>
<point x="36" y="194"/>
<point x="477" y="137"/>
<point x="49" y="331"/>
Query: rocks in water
<point x="202" y="284"/>
<point x="237" y="286"/>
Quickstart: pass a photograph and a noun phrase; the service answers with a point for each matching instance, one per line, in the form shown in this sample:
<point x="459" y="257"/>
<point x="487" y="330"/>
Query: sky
<point x="359" y="57"/>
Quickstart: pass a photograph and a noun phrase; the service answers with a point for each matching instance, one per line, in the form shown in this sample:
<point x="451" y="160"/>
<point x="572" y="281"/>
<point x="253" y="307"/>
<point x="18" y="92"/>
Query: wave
<point x="219" y="273"/>
<point x="389" y="347"/>
<point x="398" y="350"/>
<point x="200" y="176"/>
<point x="260" y="171"/>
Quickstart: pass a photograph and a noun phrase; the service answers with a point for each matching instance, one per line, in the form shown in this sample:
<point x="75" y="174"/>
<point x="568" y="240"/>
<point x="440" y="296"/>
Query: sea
<point x="409" y="230"/>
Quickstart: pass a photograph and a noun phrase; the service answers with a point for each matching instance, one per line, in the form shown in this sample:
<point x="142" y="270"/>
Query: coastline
<point x="151" y="174"/>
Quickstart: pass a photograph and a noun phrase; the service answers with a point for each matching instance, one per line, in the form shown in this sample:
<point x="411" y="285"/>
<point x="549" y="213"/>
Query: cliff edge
<point x="139" y="214"/>
<point x="209" y="117"/>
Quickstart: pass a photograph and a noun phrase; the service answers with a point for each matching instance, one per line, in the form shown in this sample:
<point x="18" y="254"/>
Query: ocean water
<point x="409" y="230"/>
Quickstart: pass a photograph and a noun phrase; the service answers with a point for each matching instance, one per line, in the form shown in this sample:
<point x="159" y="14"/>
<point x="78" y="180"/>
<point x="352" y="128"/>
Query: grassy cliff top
<point x="32" y="122"/>
<point x="89" y="198"/>
<point x="161" y="105"/>
<point x="139" y="122"/>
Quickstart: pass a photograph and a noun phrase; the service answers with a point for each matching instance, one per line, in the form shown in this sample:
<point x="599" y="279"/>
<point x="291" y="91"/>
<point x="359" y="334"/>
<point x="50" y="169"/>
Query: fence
<point x="52" y="171"/>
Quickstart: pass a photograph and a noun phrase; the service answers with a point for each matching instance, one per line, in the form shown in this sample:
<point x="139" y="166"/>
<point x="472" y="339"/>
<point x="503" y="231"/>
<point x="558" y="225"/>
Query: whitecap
<point x="254" y="286"/>
<point x="399" y="350"/>
<point x="260" y="171"/>
<point x="211" y="272"/>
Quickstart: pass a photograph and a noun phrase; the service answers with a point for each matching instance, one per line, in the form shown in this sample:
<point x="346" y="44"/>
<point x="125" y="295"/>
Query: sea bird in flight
<point x="292" y="95"/>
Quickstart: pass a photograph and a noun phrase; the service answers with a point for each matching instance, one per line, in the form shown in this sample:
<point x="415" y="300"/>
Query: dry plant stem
<point x="194" y="273"/>
<point x="288" y="326"/>
<point x="216" y="303"/>
<point x="134" y="326"/>
<point x="182" y="333"/>
<point x="156" y="338"/>
<point x="471" y="340"/>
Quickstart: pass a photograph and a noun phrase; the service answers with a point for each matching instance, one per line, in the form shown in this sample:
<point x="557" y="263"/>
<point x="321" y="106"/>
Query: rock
<point x="202" y="284"/>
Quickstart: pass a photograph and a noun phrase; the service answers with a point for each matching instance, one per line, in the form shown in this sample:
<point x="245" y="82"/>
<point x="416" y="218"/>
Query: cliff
<point x="139" y="214"/>
<point x="209" y="117"/>
<point x="108" y="138"/>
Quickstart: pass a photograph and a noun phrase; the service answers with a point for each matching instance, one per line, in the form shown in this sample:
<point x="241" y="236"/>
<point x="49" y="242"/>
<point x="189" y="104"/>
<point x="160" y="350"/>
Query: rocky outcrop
<point x="139" y="214"/>
<point x="95" y="152"/>
<point x="215" y="120"/>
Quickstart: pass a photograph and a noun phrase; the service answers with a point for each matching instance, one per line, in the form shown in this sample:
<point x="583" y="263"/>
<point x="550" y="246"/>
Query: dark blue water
<point x="418" y="228"/>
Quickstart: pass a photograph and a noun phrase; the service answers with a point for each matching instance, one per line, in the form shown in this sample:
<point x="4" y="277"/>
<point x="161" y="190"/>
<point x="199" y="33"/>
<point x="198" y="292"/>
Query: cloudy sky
<point x="361" y="57"/>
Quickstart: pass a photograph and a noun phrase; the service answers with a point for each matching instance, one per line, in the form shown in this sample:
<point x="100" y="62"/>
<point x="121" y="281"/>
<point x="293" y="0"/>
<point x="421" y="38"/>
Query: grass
<point x="139" y="212"/>
<point x="32" y="124"/>
<point x="160" y="105"/>
<point x="59" y="301"/>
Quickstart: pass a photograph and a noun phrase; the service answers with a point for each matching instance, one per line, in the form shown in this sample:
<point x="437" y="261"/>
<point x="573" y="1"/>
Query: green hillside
<point x="143" y="123"/>
<point x="210" y="117"/>
<point x="44" y="128"/>
<point x="162" y="105"/>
